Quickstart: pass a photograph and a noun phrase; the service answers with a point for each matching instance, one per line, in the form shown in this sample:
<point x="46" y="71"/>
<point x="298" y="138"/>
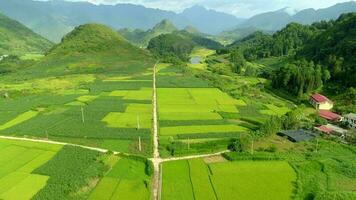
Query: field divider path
<point x="59" y="143"/>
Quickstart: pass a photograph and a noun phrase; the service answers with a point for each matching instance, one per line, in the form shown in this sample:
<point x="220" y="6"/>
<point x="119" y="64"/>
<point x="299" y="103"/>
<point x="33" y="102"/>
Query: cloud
<point x="239" y="8"/>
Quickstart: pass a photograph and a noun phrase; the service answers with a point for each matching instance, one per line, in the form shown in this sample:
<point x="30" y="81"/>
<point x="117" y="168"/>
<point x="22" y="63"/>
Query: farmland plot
<point x="18" y="160"/>
<point x="111" y="111"/>
<point x="126" y="180"/>
<point x="227" y="180"/>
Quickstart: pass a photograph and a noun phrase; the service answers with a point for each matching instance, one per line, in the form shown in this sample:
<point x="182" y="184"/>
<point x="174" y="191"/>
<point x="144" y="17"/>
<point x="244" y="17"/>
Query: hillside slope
<point x="94" y="48"/>
<point x="17" y="39"/>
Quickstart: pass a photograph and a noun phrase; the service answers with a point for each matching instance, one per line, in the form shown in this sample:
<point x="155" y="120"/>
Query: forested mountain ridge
<point x="141" y="37"/>
<point x="177" y="46"/>
<point x="92" y="48"/>
<point x="317" y="55"/>
<point x="16" y="39"/>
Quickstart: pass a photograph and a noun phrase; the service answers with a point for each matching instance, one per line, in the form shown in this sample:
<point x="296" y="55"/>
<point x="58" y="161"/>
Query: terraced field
<point x="194" y="179"/>
<point x="198" y="118"/>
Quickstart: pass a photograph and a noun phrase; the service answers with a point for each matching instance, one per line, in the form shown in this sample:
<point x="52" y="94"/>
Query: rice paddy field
<point x="32" y="170"/>
<point x="107" y="110"/>
<point x="18" y="160"/>
<point x="197" y="179"/>
<point x="197" y="117"/>
<point x="126" y="179"/>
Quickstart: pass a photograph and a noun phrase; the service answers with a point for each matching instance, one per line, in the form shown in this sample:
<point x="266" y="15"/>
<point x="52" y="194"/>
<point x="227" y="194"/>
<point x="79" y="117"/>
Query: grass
<point x="178" y="130"/>
<point x="127" y="178"/>
<point x="194" y="179"/>
<point x="176" y="181"/>
<point x="19" y="119"/>
<point x="253" y="180"/>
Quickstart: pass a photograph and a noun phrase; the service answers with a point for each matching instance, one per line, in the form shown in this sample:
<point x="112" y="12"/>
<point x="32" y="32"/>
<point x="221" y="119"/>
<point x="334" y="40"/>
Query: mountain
<point x="53" y="19"/>
<point x="228" y="37"/>
<point x="141" y="38"/>
<point x="335" y="48"/>
<point x="93" y="48"/>
<point x="17" y="39"/>
<point x="273" y="21"/>
<point x="209" y="21"/>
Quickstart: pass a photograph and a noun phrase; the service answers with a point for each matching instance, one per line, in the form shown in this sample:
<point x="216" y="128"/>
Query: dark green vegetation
<point x="73" y="173"/>
<point x="16" y="39"/>
<point x="177" y="46"/>
<point x="311" y="58"/>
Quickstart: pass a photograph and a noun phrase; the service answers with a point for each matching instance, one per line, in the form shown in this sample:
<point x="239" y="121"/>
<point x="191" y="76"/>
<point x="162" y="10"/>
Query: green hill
<point x="177" y="46"/>
<point x="142" y="38"/>
<point x="17" y="39"/>
<point x="94" y="48"/>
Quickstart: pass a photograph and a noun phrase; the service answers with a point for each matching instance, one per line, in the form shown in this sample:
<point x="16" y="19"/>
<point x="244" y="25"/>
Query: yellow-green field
<point x="194" y="179"/>
<point x="18" y="159"/>
<point x="125" y="180"/>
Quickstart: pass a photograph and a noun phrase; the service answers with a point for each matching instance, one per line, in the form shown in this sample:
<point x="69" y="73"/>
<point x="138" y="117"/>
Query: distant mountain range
<point x="53" y="19"/>
<point x="272" y="21"/>
<point x="17" y="39"/>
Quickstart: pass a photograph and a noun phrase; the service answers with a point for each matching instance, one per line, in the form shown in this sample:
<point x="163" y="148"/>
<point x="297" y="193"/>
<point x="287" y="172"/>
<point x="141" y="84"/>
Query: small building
<point x="332" y="130"/>
<point x="321" y="102"/>
<point x="330" y="116"/>
<point x="297" y="135"/>
<point x="351" y="119"/>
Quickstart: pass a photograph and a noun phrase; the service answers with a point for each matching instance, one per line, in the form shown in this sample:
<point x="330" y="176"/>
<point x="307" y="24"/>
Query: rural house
<point x="330" y="116"/>
<point x="332" y="130"/>
<point x="351" y="119"/>
<point x="320" y="102"/>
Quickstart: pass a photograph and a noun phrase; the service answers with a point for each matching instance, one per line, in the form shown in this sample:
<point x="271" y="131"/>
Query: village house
<point x="330" y="116"/>
<point x="320" y="102"/>
<point x="351" y="119"/>
<point x="330" y="129"/>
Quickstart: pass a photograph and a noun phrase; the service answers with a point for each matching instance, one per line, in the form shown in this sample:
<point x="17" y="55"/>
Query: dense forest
<point x="177" y="46"/>
<point x="319" y="54"/>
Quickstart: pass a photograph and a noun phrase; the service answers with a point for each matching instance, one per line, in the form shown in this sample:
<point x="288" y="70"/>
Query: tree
<point x="350" y="137"/>
<point x="238" y="61"/>
<point x="271" y="126"/>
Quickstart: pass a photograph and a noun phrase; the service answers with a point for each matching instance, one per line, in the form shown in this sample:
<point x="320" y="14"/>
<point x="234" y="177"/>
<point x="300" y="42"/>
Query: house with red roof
<point x="321" y="102"/>
<point x="330" y="116"/>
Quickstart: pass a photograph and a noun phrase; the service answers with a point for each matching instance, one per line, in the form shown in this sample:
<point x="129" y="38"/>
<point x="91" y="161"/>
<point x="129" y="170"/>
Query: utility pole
<point x="82" y="109"/>
<point x="139" y="143"/>
<point x="252" y="146"/>
<point x="188" y="143"/>
<point x="138" y="122"/>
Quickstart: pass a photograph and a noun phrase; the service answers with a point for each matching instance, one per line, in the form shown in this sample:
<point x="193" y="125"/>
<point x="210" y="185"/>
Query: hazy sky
<point x="239" y="8"/>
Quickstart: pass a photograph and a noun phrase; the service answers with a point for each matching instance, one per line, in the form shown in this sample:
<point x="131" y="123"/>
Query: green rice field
<point x="195" y="179"/>
<point x="18" y="160"/>
<point x="126" y="180"/>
